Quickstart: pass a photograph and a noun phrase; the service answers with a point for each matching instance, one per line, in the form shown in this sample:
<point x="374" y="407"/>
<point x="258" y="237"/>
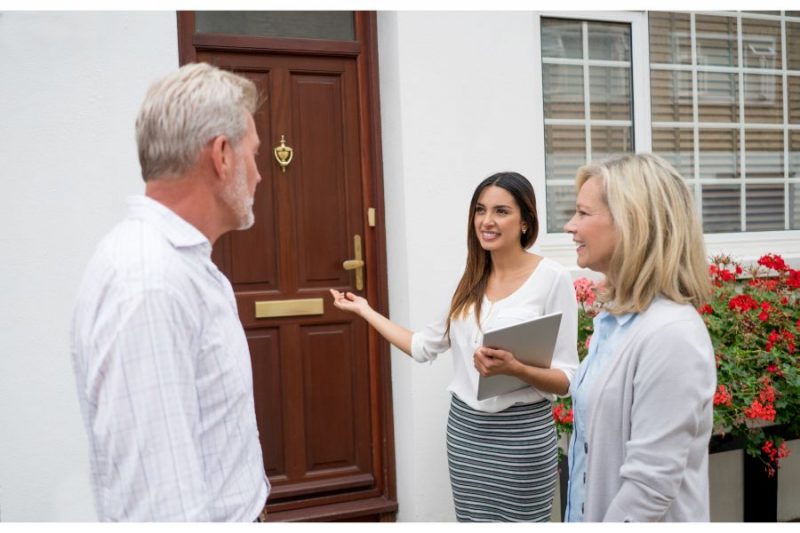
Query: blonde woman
<point x="501" y="451"/>
<point x="643" y="395"/>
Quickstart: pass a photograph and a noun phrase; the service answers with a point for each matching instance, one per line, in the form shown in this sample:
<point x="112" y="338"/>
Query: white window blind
<point x="725" y="110"/>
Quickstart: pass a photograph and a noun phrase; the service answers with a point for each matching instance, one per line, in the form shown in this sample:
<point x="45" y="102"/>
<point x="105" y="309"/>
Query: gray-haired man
<point x="160" y="357"/>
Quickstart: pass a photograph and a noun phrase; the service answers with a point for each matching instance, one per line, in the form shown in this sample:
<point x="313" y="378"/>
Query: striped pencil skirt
<point x="503" y="466"/>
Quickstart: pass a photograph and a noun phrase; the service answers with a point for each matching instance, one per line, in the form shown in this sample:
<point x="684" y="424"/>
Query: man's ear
<point x="222" y="156"/>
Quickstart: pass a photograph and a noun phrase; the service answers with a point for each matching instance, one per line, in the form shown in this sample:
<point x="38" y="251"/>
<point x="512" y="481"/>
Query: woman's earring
<point x="524" y="230"/>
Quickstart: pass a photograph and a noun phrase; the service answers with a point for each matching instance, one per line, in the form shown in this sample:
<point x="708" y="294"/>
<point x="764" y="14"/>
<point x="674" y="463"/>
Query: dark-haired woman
<point x="501" y="451"/>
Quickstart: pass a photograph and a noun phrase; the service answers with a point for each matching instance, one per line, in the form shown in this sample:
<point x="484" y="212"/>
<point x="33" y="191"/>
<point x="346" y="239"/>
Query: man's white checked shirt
<point x="164" y="377"/>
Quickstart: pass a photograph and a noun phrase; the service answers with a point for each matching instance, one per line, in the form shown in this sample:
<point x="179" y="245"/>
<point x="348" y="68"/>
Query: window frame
<point x="745" y="246"/>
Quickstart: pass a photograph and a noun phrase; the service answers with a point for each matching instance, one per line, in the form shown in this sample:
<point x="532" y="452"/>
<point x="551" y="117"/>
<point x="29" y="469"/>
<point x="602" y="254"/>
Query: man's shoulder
<point x="133" y="251"/>
<point x="133" y="236"/>
<point x="132" y="262"/>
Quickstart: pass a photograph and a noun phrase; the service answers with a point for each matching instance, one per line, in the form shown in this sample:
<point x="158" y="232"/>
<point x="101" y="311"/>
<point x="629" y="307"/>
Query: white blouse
<point x="548" y="290"/>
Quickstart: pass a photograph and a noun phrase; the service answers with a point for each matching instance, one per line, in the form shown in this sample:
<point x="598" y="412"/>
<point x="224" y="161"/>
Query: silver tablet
<point x="531" y="342"/>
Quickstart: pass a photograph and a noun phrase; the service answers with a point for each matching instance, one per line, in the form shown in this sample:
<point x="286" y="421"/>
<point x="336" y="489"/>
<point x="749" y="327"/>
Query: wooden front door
<point x="320" y="382"/>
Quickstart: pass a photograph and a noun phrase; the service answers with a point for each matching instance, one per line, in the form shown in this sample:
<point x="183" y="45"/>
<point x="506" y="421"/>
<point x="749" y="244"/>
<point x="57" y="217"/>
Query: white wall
<point x="454" y="109"/>
<point x="456" y="105"/>
<point x="71" y="86"/>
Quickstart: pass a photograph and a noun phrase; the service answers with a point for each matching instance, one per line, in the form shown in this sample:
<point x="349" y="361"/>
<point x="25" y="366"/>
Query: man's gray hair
<point x="184" y="111"/>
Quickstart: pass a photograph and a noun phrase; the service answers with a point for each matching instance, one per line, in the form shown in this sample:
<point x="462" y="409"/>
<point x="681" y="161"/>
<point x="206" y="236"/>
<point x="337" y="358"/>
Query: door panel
<point x="330" y="398"/>
<point x="325" y="215"/>
<point x="267" y="368"/>
<point x="336" y="397"/>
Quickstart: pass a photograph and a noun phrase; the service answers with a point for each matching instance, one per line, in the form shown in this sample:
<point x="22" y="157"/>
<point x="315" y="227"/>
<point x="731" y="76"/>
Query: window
<point x="715" y="93"/>
<point x="332" y="25"/>
<point x="723" y="112"/>
<point x="588" y="106"/>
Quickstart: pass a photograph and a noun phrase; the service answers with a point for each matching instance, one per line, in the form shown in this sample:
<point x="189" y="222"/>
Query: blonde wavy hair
<point x="660" y="248"/>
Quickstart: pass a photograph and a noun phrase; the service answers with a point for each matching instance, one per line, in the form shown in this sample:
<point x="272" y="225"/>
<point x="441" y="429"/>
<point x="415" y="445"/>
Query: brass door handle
<point x="283" y="154"/>
<point x="352" y="264"/>
<point x="357" y="263"/>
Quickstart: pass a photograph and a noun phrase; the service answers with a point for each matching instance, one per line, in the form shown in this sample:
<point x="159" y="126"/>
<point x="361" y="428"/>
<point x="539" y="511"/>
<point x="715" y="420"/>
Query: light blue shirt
<point x="608" y="331"/>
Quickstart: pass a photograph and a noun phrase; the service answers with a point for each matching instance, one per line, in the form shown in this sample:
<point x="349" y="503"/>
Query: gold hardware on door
<point x="356" y="264"/>
<point x="283" y="154"/>
<point x="371" y="217"/>
<point x="279" y="308"/>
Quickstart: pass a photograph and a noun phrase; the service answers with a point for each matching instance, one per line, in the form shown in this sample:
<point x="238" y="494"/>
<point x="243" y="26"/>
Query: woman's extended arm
<point x="394" y="333"/>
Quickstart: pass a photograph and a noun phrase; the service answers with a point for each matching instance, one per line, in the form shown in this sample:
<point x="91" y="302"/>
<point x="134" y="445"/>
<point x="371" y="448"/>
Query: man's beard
<point x="238" y="199"/>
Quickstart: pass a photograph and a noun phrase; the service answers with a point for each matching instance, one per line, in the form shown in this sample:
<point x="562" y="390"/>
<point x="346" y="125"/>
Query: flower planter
<point x="753" y="318"/>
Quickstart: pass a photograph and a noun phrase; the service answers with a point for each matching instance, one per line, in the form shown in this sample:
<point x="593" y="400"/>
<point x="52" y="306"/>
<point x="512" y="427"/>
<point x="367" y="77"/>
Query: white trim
<point x="724" y="125"/>
<point x="784" y="243"/>
<point x="721" y="69"/>
<point x="580" y="62"/>
<point x="539" y="151"/>
<point x="593" y="16"/>
<point x="640" y="92"/>
<point x="698" y="189"/>
<point x="745" y="14"/>
<point x="737" y="181"/>
<point x="562" y="182"/>
<point x="583" y="122"/>
<point x="587" y="90"/>
<point x="785" y="77"/>
<point x="742" y="151"/>
<point x="749" y="247"/>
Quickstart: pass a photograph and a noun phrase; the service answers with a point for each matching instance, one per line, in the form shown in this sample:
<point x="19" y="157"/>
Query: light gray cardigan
<point x="650" y="414"/>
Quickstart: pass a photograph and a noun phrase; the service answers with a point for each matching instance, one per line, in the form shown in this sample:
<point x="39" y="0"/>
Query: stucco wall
<point x="456" y="105"/>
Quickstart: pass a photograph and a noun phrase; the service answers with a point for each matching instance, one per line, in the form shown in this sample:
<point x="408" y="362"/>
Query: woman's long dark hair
<point x="471" y="288"/>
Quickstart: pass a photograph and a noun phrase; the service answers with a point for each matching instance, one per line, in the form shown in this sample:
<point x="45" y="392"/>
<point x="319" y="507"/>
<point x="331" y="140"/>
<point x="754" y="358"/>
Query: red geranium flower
<point x="767" y="395"/>
<point x="722" y="396"/>
<point x="773" y="261"/>
<point x="759" y="410"/>
<point x="743" y="303"/>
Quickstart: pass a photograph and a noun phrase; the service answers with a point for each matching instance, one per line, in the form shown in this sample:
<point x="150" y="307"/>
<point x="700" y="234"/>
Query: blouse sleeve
<point x="562" y="299"/>
<point x="429" y="342"/>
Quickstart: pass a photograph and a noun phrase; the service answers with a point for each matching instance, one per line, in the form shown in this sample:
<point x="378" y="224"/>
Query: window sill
<point x="744" y="247"/>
